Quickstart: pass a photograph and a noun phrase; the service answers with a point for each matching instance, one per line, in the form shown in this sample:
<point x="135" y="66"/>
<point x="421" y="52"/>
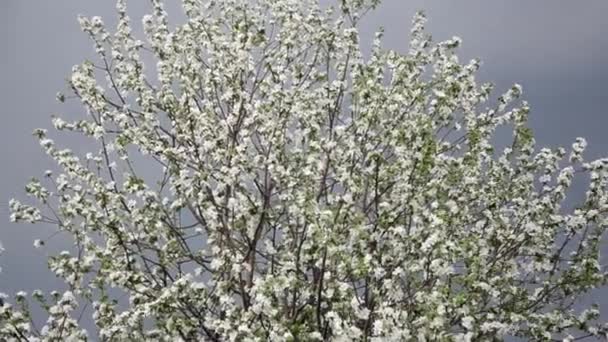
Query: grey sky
<point x="557" y="49"/>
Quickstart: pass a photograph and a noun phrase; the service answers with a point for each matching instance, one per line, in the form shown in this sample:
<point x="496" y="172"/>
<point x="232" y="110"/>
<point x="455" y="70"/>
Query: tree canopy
<point x="257" y="177"/>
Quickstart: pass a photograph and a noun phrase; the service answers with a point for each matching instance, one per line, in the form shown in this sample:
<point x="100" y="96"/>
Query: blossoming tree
<point x="266" y="181"/>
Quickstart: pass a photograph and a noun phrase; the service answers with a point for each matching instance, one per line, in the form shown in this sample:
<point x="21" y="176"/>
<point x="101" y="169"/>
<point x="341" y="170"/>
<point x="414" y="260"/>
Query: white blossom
<point x="260" y="178"/>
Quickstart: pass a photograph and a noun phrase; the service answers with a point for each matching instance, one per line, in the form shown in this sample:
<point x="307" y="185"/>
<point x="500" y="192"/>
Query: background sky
<point x="556" y="49"/>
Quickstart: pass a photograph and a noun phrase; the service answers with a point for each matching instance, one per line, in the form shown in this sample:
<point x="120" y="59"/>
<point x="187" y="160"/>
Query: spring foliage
<point x="263" y="180"/>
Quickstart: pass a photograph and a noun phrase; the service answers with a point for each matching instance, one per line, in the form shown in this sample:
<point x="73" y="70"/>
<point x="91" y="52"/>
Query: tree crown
<point x="262" y="179"/>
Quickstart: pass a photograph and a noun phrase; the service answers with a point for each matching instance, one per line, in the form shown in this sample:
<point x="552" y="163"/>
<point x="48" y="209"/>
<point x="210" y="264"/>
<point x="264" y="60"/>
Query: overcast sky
<point x="556" y="49"/>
